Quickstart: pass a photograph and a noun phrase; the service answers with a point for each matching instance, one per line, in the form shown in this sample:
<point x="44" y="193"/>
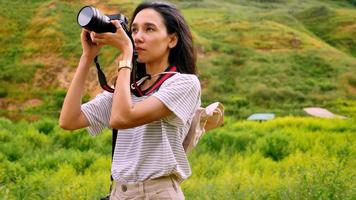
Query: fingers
<point x="116" y="23"/>
<point x="97" y="38"/>
<point x="84" y="33"/>
<point x="107" y="37"/>
<point x="85" y="38"/>
<point x="97" y="35"/>
<point x="118" y="26"/>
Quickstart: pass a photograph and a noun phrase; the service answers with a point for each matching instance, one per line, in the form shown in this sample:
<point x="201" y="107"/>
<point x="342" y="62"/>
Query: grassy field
<point x="287" y="158"/>
<point x="253" y="56"/>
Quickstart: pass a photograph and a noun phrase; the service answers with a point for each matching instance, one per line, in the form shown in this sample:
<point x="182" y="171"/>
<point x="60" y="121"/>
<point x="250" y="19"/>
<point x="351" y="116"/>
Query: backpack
<point x="204" y="120"/>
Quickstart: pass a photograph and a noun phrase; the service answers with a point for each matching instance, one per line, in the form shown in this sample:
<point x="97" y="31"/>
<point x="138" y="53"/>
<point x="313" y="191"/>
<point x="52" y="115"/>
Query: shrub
<point x="6" y="124"/>
<point x="35" y="139"/>
<point x="353" y="2"/>
<point x="17" y="73"/>
<point x="5" y="136"/>
<point x="312" y="65"/>
<point x="327" y="182"/>
<point x="45" y="125"/>
<point x="276" y="146"/>
<point x="326" y="86"/>
<point x="350" y="79"/>
<point x="243" y="141"/>
<point x="11" y="172"/>
<point x="76" y="140"/>
<point x="3" y="92"/>
<point x="12" y="150"/>
<point x="59" y="98"/>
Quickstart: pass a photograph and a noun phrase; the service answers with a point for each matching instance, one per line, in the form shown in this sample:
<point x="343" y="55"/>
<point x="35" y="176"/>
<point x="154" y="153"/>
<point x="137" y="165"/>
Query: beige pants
<point x="160" y="188"/>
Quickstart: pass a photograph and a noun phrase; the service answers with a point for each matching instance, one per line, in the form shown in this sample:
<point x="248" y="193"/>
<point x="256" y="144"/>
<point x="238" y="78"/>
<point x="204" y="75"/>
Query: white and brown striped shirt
<point x="155" y="149"/>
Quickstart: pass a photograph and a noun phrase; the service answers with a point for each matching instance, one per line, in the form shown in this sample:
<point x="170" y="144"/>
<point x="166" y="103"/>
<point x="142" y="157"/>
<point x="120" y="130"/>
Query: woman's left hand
<point x="119" y="39"/>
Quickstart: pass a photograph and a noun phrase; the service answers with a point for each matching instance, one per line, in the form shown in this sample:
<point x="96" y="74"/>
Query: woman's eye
<point x="134" y="30"/>
<point x="149" y="29"/>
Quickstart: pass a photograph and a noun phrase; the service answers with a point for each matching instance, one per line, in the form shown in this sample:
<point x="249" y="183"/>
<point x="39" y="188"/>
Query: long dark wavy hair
<point x="183" y="55"/>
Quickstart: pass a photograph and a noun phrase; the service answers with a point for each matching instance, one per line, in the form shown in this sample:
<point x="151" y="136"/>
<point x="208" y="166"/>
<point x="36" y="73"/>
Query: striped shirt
<point x="151" y="150"/>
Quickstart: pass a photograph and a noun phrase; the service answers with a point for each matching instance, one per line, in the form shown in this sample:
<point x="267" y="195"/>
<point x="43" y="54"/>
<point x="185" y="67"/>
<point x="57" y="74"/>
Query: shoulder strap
<point x="114" y="137"/>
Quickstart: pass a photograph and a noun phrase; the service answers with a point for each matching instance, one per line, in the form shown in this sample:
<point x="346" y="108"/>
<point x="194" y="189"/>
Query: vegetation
<point x="353" y="2"/>
<point x="287" y="158"/>
<point x="253" y="56"/>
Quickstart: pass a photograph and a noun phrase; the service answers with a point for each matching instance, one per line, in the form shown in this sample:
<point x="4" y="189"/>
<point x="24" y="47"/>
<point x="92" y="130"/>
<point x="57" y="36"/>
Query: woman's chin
<point x="141" y="60"/>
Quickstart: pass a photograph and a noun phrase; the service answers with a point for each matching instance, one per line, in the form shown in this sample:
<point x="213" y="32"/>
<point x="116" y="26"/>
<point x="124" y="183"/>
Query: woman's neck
<point x="156" y="67"/>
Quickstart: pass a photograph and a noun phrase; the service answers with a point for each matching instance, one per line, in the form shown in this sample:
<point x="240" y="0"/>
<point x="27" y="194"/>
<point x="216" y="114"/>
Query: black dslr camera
<point x="93" y="20"/>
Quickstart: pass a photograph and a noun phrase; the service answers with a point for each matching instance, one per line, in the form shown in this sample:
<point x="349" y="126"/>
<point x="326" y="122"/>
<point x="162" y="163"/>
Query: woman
<point x="149" y="161"/>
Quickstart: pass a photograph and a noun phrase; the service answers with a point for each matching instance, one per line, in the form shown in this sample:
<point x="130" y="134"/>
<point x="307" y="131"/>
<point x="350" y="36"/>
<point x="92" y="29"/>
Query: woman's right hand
<point x="90" y="49"/>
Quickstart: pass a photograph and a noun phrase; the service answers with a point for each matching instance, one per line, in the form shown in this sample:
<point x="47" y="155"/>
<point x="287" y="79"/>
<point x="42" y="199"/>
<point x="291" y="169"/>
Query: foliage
<point x="254" y="56"/>
<point x="261" y="55"/>
<point x="294" y="158"/>
<point x="39" y="160"/>
<point x="276" y="146"/>
<point x="353" y="2"/>
<point x="287" y="158"/>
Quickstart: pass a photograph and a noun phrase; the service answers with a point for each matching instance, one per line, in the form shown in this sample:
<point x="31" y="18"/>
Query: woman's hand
<point x="90" y="48"/>
<point x="119" y="39"/>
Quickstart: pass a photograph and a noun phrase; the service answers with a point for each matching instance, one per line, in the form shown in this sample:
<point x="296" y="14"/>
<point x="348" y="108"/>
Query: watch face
<point x="124" y="63"/>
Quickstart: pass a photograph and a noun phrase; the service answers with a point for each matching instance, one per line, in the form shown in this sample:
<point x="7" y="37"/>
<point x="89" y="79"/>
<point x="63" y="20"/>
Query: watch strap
<point x="125" y="64"/>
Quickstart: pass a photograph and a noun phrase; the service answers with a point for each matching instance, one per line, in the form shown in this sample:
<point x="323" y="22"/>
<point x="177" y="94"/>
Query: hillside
<point x="254" y="55"/>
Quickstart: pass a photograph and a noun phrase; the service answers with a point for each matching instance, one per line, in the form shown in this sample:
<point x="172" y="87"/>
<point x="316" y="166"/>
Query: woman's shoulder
<point x="102" y="96"/>
<point x="179" y="78"/>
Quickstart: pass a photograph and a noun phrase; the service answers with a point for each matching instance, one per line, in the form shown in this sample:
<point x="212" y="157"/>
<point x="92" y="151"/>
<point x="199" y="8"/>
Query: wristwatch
<point x="124" y="64"/>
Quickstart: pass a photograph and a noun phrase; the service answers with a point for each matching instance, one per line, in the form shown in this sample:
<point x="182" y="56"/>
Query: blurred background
<point x="254" y="56"/>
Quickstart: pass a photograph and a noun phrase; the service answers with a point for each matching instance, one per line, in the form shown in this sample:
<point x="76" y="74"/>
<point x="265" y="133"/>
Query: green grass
<point x="336" y="27"/>
<point x="290" y="157"/>
<point x="269" y="58"/>
<point x="254" y="56"/>
<point x="276" y="56"/>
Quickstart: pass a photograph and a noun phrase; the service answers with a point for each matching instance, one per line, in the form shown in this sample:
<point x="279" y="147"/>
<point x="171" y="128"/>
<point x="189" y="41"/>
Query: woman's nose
<point x="138" y="37"/>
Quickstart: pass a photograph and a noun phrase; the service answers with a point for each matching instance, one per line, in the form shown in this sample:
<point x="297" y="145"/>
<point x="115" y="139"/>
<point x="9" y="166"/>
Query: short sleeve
<point x="98" y="112"/>
<point x="181" y="95"/>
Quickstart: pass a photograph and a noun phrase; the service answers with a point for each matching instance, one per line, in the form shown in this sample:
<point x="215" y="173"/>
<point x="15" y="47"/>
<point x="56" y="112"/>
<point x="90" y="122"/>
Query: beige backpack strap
<point x="204" y="120"/>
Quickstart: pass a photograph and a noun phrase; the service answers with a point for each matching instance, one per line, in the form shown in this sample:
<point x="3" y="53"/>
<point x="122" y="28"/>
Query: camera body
<point x="92" y="19"/>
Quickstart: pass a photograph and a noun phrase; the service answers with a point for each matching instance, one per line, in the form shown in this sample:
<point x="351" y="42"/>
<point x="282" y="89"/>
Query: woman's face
<point x="151" y="38"/>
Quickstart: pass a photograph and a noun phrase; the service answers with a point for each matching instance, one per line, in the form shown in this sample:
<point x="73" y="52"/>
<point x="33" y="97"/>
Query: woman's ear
<point x="173" y="40"/>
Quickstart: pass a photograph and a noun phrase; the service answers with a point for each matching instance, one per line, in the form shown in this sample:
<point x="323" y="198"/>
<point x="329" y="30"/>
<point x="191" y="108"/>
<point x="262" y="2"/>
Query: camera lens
<point x="85" y="15"/>
<point x="91" y="19"/>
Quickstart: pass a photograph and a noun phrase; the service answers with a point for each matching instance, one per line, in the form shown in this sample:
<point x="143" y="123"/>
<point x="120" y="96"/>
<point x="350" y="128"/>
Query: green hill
<point x="254" y="55"/>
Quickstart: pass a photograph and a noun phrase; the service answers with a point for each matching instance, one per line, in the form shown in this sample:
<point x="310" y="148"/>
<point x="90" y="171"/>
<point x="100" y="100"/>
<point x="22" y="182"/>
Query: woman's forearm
<point x="71" y="106"/>
<point x="122" y="104"/>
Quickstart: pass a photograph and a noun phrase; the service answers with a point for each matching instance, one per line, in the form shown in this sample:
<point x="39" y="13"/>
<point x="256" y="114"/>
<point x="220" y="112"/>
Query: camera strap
<point x="102" y="78"/>
<point x="135" y="86"/>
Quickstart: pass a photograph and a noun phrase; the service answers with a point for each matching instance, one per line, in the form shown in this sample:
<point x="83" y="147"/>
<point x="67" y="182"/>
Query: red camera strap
<point x="135" y="87"/>
<point x="169" y="72"/>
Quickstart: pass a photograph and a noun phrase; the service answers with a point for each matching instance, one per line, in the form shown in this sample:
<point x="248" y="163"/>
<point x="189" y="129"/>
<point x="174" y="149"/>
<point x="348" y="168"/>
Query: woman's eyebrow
<point x="145" y="24"/>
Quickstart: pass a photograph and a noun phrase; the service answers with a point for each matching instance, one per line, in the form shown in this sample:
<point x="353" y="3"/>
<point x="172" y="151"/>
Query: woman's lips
<point x="139" y="49"/>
